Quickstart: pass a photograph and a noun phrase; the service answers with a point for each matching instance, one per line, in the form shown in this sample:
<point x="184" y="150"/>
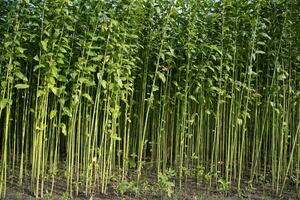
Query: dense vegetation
<point x="99" y="89"/>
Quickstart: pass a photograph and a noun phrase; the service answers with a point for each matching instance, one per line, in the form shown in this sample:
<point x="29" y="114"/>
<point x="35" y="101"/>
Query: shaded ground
<point x="13" y="193"/>
<point x="150" y="188"/>
<point x="188" y="192"/>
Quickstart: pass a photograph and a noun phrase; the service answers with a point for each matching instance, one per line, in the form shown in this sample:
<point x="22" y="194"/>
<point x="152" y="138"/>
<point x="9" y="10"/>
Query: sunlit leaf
<point x="21" y="86"/>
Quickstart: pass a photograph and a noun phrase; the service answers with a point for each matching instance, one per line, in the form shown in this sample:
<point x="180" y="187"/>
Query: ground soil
<point x="188" y="192"/>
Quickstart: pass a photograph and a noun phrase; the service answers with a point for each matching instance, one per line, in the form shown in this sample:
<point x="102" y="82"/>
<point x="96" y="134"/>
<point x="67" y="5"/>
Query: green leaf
<point x="63" y="50"/>
<point x="119" y="81"/>
<point x="62" y="78"/>
<point x="60" y="61"/>
<point x="261" y="43"/>
<point x="38" y="67"/>
<point x="115" y="137"/>
<point x="161" y="77"/>
<point x="88" y="97"/>
<point x="16" y="63"/>
<point x="86" y="81"/>
<point x="97" y="58"/>
<point x="40" y="93"/>
<point x="21" y="86"/>
<point x="114" y="23"/>
<point x="44" y="44"/>
<point x="281" y="77"/>
<point x="7" y="44"/>
<point x="53" y="89"/>
<point x="155" y="88"/>
<point x="259" y="52"/>
<point x="53" y="114"/>
<point x="64" y="129"/>
<point x="20" y="50"/>
<point x="21" y="76"/>
<point x="253" y="56"/>
<point x="103" y="83"/>
<point x="266" y="35"/>
<point x="62" y="101"/>
<point x="4" y="103"/>
<point x="239" y="121"/>
<point x="91" y="53"/>
<point x="193" y="98"/>
<point x="67" y="111"/>
<point x="36" y="58"/>
<point x="214" y="47"/>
